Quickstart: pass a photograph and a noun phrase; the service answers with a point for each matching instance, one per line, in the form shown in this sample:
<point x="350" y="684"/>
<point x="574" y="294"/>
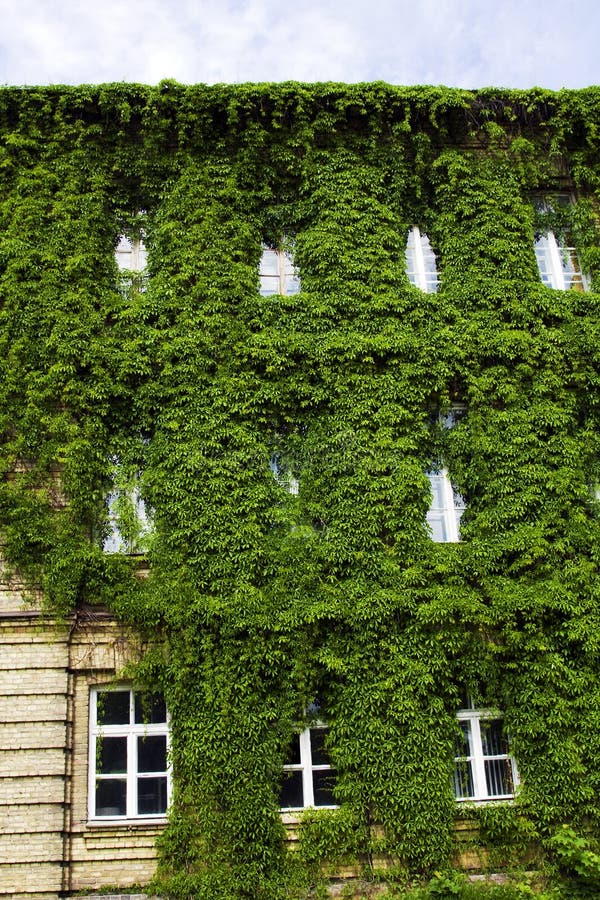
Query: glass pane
<point x="113" y="708"/>
<point x="431" y="276"/>
<point x="498" y="777"/>
<point x="319" y="754"/>
<point x="293" y="754"/>
<point x="150" y="709"/>
<point x="436" y="483"/>
<point x="112" y="755"/>
<point x="463" y="779"/>
<point x="409" y="255"/>
<point x="492" y="741"/>
<point x="152" y="753"/>
<point x="437" y="524"/>
<point x="291" y="795"/>
<point x="152" y="796"/>
<point x="542" y="255"/>
<point x="111" y="797"/>
<point x="269" y="263"/>
<point x="269" y="285"/>
<point x="323" y="785"/>
<point x="292" y="284"/>
<point x="123" y="253"/>
<point x="462" y="744"/>
<point x="142" y="257"/>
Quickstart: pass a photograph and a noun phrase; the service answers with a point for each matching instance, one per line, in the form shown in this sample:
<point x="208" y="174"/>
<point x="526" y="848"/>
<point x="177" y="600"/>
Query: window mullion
<point x="558" y="275"/>
<point x="478" y="763"/>
<point x="419" y="260"/>
<point x="448" y="494"/>
<point x="306" y="762"/>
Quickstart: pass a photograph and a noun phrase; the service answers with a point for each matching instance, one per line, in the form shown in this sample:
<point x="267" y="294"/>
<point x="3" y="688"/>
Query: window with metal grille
<point x="420" y="262"/>
<point x="446" y="509"/>
<point x="557" y="260"/>
<point x="483" y="767"/>
<point x="558" y="264"/>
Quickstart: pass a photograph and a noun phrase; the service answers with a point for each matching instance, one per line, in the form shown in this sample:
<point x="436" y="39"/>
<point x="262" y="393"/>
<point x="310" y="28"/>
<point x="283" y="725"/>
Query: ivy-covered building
<point x="300" y="406"/>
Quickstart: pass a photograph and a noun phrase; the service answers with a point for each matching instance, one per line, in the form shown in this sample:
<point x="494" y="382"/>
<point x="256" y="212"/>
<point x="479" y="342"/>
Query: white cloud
<point x="467" y="43"/>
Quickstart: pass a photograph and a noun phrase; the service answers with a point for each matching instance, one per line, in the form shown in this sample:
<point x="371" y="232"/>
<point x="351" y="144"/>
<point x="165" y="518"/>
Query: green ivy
<point x="259" y="600"/>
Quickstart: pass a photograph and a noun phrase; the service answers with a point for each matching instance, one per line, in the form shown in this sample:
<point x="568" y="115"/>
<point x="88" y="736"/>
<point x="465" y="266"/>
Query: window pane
<point x="436" y="483"/>
<point x="492" y="741"/>
<point x="498" y="777"/>
<point x="291" y="794"/>
<point x="152" y="753"/>
<point x="463" y="744"/>
<point x="150" y="709"/>
<point x="111" y="797"/>
<point x="293" y="754"/>
<point x="112" y="757"/>
<point x="269" y="285"/>
<point x="152" y="796"/>
<point x="124" y="252"/>
<point x="113" y="708"/>
<point x="319" y="754"/>
<point x="292" y="284"/>
<point x="463" y="779"/>
<point x="437" y="524"/>
<point x="323" y="784"/>
<point x="269" y="263"/>
<point x="542" y="255"/>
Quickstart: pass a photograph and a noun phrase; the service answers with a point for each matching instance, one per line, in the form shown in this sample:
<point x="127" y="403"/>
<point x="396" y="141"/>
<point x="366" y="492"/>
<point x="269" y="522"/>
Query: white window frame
<point x="477" y="759"/>
<point x="417" y="254"/>
<point x="450" y="512"/>
<point x="307" y="768"/>
<point x="277" y="273"/>
<point x="131" y="731"/>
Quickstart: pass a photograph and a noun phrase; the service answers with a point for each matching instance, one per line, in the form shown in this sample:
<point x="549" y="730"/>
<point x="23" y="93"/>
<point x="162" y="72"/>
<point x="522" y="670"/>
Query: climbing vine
<point x="260" y="599"/>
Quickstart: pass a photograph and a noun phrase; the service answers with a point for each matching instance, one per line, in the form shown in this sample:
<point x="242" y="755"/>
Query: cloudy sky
<point x="462" y="43"/>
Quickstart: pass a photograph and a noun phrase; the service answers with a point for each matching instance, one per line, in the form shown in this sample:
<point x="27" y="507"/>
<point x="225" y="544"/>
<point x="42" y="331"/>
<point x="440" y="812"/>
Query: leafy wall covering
<point x="264" y="600"/>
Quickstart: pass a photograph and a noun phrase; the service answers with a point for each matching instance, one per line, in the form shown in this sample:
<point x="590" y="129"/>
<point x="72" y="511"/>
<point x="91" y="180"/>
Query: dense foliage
<point x="263" y="600"/>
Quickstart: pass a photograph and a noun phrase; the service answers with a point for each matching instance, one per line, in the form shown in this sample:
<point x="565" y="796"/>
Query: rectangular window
<point x="132" y="258"/>
<point x="277" y="273"/>
<point x="420" y="262"/>
<point x="308" y="778"/>
<point x="446" y="509"/>
<point x="128" y="771"/>
<point x="557" y="261"/>
<point x="558" y="264"/>
<point x="283" y="474"/>
<point x="483" y="767"/>
<point x="129" y="523"/>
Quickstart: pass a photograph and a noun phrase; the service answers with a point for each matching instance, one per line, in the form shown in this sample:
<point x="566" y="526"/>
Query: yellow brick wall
<point x="46" y="672"/>
<point x="33" y="751"/>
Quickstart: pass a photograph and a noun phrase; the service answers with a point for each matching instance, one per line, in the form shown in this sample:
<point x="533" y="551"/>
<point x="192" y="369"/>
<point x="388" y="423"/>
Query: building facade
<point x="299" y="406"/>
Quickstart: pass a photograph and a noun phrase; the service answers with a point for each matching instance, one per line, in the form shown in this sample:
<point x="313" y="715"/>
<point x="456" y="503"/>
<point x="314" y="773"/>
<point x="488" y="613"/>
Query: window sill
<point x="121" y="822"/>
